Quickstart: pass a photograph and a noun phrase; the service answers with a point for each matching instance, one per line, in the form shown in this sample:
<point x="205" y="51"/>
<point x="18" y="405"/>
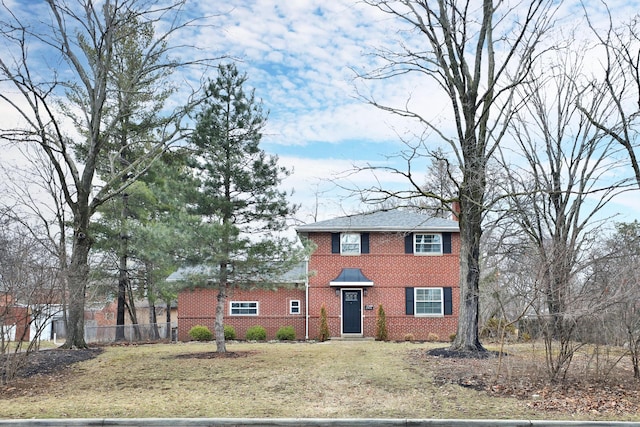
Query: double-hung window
<point x="428" y="244"/>
<point x="294" y="306"/>
<point x="350" y="244"/>
<point x="244" y="308"/>
<point x="429" y="302"/>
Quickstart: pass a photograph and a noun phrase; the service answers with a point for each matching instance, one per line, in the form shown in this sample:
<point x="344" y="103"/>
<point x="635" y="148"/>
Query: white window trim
<point x="231" y="313"/>
<point x="415" y="303"/>
<point x="415" y="244"/>
<point x="359" y="244"/>
<point x="298" y="307"/>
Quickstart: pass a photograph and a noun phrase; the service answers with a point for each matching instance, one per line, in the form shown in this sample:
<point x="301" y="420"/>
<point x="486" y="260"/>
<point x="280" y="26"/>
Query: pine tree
<point x="241" y="206"/>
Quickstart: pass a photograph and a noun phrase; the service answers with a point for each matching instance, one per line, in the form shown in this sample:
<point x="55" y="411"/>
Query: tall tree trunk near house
<point x="78" y="274"/>
<point x="221" y="347"/>
<point x="472" y="201"/>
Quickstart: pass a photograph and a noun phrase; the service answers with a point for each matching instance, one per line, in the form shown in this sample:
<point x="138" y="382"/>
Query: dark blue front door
<point x="352" y="311"/>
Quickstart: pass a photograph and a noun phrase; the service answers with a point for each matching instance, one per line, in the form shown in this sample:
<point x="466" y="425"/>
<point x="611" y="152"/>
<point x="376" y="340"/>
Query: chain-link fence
<point x="132" y="333"/>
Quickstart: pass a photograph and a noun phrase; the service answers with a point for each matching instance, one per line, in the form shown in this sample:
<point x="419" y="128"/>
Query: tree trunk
<point x="133" y="315"/>
<point x="471" y="200"/>
<point x="153" y="320"/>
<point x="219" y="323"/>
<point x="122" y="298"/>
<point x="123" y="272"/>
<point x="78" y="274"/>
<point x="168" y="332"/>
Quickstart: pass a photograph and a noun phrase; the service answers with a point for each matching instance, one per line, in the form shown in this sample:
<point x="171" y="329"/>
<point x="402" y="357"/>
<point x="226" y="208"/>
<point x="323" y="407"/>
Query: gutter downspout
<point x="306" y="298"/>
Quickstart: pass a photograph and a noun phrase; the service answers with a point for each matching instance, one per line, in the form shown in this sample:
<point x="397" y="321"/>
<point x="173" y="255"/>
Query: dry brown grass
<point x="310" y="380"/>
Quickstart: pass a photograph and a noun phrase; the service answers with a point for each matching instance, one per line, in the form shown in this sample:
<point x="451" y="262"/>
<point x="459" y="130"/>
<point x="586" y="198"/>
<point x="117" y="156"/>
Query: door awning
<point x="351" y="277"/>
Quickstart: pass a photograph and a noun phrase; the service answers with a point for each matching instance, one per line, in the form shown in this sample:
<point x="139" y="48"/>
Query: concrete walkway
<point x="303" y="422"/>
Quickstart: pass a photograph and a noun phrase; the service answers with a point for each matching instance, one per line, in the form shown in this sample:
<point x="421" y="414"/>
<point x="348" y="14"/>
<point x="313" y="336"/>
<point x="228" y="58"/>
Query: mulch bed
<point x="216" y="355"/>
<point x="456" y="354"/>
<point x="49" y="361"/>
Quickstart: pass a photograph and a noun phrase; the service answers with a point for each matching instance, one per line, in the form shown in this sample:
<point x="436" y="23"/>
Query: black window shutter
<point x="448" y="301"/>
<point x="446" y="243"/>
<point x="408" y="243"/>
<point x="364" y="243"/>
<point x="335" y="243"/>
<point x="409" y="300"/>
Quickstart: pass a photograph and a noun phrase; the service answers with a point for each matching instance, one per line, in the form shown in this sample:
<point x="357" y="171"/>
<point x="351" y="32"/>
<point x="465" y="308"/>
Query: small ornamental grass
<point x="433" y="337"/>
<point x="324" y="327"/>
<point x="256" y="333"/>
<point x="286" y="333"/>
<point x="200" y="333"/>
<point x="381" y="325"/>
<point x="409" y="337"/>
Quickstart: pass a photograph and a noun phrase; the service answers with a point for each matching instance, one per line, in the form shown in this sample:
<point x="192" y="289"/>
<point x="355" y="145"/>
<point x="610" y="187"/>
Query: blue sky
<point x="300" y="57"/>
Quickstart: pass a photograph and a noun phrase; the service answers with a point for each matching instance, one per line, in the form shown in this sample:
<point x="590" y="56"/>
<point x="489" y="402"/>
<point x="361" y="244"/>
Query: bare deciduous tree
<point x="476" y="53"/>
<point x="615" y="273"/>
<point x="71" y="84"/>
<point x="556" y="190"/>
<point x="30" y="286"/>
<point x="619" y="84"/>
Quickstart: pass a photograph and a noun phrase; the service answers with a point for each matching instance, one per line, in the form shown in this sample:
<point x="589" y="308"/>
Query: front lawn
<point x="337" y="379"/>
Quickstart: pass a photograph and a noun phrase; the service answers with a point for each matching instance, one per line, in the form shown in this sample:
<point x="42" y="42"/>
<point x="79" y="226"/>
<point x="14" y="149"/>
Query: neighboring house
<point x="24" y="322"/>
<point x="405" y="261"/>
<point x="14" y="319"/>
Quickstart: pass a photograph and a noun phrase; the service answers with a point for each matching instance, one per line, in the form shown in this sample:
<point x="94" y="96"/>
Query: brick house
<point x="403" y="260"/>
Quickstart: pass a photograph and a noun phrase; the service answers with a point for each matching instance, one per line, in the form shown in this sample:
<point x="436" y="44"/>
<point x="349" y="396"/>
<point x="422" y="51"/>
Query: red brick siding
<point x="198" y="307"/>
<point x="390" y="269"/>
<point x="19" y="317"/>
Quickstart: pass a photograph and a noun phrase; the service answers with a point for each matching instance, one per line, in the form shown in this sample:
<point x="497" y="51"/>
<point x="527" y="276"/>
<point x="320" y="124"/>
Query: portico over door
<point x="352" y="311"/>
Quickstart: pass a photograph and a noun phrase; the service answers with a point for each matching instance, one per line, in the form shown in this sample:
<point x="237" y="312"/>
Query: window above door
<point x="349" y="244"/>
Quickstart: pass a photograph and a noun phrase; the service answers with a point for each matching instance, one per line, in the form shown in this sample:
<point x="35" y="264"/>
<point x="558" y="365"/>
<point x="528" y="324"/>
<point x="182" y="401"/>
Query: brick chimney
<point x="455" y="208"/>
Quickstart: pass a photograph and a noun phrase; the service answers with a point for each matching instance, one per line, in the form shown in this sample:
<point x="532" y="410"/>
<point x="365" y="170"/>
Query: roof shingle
<point x="392" y="221"/>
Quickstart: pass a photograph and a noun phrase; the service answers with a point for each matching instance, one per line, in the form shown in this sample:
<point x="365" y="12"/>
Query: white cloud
<point x="300" y="56"/>
<point x="329" y="187"/>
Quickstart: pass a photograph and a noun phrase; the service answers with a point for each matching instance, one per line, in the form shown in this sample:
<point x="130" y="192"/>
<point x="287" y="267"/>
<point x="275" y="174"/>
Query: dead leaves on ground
<point x="618" y="394"/>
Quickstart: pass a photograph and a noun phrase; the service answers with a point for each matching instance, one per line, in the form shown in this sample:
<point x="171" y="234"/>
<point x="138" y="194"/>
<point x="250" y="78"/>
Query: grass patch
<point x="309" y="380"/>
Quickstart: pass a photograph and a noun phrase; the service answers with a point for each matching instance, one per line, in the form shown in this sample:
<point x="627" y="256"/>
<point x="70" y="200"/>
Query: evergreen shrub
<point x="256" y="333"/>
<point x="200" y="333"/>
<point x="286" y="333"/>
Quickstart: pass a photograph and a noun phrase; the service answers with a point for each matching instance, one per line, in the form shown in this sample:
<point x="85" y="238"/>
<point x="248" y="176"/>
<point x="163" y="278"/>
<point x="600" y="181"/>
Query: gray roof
<point x="390" y="221"/>
<point x="297" y="274"/>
